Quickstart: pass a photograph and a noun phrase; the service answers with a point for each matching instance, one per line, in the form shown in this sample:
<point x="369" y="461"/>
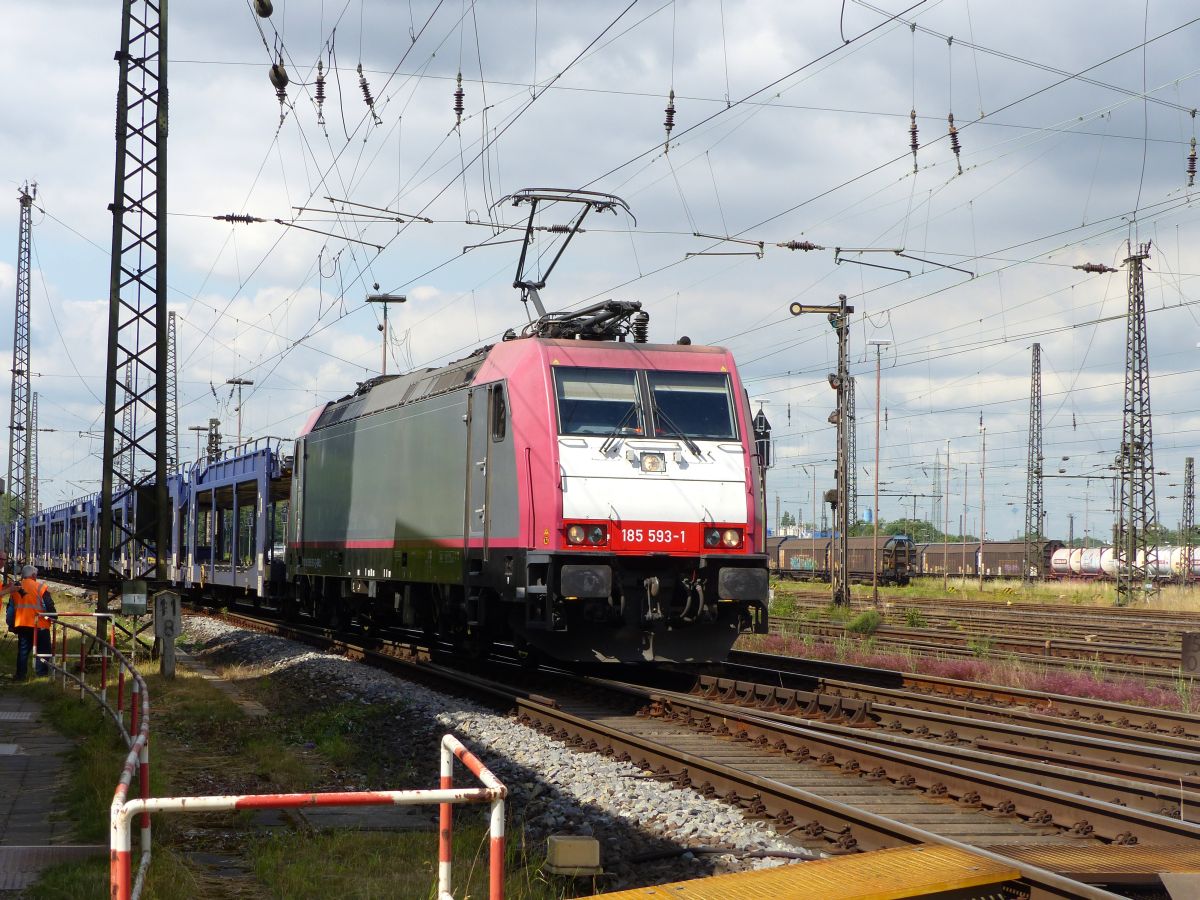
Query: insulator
<point x="1192" y="164"/>
<point x="557" y="229"/>
<point x="669" y="121"/>
<point x="239" y="218"/>
<point x="458" y="102"/>
<point x="263" y="8"/>
<point x="912" y="137"/>
<point x="279" y="76"/>
<point x="366" y="92"/>
<point x="320" y="93"/>
<point x="954" y="145"/>
<point x="641" y="327"/>
<point x="800" y="245"/>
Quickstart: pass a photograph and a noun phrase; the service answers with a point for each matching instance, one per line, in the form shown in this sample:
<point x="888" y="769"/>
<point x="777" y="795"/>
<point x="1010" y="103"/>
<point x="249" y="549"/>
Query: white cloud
<point x="1033" y="174"/>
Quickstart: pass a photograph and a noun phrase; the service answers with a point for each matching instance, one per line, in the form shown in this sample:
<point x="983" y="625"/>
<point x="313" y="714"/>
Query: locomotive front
<point x="654" y="550"/>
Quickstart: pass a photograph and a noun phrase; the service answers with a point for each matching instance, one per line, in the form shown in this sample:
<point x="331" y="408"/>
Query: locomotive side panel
<point x="383" y="494"/>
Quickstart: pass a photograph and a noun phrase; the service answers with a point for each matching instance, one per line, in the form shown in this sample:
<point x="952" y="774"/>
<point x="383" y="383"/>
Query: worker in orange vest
<point x="26" y="601"/>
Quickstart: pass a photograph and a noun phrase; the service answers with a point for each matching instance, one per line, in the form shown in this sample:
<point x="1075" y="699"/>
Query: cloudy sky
<point x="792" y="123"/>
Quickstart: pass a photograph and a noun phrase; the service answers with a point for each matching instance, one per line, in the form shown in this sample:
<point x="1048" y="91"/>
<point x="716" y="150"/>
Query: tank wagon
<point x="1103" y="563"/>
<point x="587" y="500"/>
<point x="810" y="559"/>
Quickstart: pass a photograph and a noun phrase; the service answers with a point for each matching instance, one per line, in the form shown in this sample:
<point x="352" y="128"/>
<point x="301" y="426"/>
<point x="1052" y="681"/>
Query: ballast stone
<point x="587" y="794"/>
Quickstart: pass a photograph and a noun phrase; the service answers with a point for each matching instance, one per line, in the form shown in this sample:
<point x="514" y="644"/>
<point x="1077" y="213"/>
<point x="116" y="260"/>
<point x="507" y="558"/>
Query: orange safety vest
<point x="27" y="601"/>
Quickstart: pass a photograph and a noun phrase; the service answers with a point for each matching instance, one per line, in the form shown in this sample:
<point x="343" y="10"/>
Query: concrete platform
<point x="35" y="831"/>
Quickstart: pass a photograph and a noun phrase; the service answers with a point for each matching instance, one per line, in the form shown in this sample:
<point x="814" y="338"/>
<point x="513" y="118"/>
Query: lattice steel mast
<point x="1188" y="525"/>
<point x="1135" y="539"/>
<point x="852" y="456"/>
<point x="34" y="503"/>
<point x="126" y="462"/>
<point x="18" y="422"/>
<point x="172" y="398"/>
<point x="1032" y="569"/>
<point x="137" y="325"/>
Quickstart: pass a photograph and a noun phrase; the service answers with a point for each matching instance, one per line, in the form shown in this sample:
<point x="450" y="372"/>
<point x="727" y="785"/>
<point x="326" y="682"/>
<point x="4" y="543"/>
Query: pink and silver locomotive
<point x="581" y="496"/>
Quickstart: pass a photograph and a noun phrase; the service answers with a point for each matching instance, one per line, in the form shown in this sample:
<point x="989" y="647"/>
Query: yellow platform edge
<point x="878" y="875"/>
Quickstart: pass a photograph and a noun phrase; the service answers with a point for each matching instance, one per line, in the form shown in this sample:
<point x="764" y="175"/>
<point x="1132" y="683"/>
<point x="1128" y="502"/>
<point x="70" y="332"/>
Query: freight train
<point x="1103" y="562"/>
<point x="581" y="496"/>
<point x="798" y="558"/>
<point x="999" y="559"/>
<point x="811" y="559"/>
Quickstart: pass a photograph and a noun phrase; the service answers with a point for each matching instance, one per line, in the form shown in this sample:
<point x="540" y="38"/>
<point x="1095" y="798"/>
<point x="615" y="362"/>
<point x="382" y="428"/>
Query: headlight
<point x="597" y="534"/>
<point x="654" y="462"/>
<point x="712" y="537"/>
<point x="575" y="534"/>
<point x="731" y="537"/>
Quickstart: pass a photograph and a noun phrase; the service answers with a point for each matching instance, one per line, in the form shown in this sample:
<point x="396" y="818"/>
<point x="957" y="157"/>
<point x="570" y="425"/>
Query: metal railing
<point x="446" y="796"/>
<point x="125" y="809"/>
<point x="136" y="735"/>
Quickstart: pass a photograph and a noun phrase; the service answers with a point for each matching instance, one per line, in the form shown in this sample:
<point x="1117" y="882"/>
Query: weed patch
<point x="354" y="865"/>
<point x="865" y="622"/>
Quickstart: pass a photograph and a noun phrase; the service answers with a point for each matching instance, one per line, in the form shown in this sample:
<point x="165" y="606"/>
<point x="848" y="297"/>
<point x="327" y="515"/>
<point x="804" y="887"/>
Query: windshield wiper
<point x="616" y="432"/>
<point x="660" y="415"/>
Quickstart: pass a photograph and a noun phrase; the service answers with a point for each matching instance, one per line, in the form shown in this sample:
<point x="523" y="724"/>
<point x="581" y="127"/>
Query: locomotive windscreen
<point x="598" y="401"/>
<point x="607" y="401"/>
<point x="692" y="404"/>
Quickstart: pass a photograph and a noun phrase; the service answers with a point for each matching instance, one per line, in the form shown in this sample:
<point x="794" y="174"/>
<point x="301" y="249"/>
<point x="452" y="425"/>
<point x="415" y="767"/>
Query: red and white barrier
<point x="493" y="793"/>
<point x="137" y="765"/>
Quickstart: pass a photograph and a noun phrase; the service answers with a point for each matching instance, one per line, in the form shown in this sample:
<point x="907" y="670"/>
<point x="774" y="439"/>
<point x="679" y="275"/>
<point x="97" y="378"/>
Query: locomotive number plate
<point x="656" y="536"/>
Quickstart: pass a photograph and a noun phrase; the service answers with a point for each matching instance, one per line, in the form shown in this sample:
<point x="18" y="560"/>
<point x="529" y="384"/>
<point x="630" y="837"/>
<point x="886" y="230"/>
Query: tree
<point x="787" y="520"/>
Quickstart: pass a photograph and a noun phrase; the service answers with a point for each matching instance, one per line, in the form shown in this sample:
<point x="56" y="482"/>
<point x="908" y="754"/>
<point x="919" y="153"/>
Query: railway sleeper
<point x="995" y="790"/>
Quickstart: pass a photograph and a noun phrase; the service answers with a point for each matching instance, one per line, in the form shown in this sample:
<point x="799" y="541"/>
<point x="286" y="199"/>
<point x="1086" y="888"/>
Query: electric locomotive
<point x="585" y="499"/>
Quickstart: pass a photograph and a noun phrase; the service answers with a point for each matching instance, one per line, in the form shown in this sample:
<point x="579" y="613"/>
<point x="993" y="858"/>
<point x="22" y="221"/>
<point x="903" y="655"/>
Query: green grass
<point x="981" y="647"/>
<point x="914" y="618"/>
<point x="836" y="613"/>
<point x="351" y="865"/>
<point x="84" y="880"/>
<point x="867" y="622"/>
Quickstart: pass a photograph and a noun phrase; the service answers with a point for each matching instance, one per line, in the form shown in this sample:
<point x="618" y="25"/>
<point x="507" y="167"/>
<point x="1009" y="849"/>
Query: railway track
<point x="938" y="694"/>
<point x="1051" y="613"/>
<point x="839" y="775"/>
<point x="1120" y="659"/>
<point x="1020" y="623"/>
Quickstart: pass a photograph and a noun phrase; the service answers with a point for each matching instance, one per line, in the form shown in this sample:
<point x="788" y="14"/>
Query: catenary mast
<point x="1032" y="568"/>
<point x="1135" y="541"/>
<point x="137" y="323"/>
<point x="17" y="482"/>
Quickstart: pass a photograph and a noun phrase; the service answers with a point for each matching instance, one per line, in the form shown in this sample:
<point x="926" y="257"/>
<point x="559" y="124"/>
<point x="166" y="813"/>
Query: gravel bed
<point x="553" y="790"/>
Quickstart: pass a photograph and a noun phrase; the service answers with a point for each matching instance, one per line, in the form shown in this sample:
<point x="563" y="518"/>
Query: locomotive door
<point x="476" y="514"/>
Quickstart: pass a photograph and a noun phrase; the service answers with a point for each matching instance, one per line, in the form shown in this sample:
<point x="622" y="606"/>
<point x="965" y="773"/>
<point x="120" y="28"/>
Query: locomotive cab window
<point x="692" y="404"/>
<point x="499" y="413"/>
<point x="598" y="402"/>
